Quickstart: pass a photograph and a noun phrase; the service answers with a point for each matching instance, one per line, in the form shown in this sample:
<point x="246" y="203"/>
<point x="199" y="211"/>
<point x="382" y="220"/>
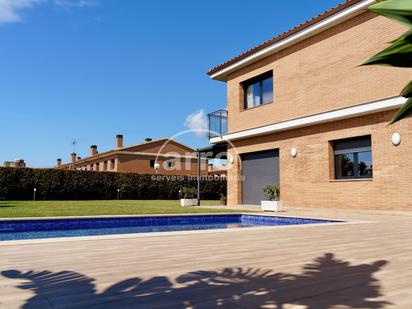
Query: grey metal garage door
<point x="259" y="170"/>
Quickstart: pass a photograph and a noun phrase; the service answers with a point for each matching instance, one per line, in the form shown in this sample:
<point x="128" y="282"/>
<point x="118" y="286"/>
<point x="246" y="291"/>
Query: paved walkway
<point x="365" y="263"/>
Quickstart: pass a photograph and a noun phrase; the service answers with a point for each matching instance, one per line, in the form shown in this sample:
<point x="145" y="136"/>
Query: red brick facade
<point x="318" y="75"/>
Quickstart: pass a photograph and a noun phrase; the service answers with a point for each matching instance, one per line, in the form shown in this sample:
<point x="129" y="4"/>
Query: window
<point x="258" y="90"/>
<point x="152" y="163"/>
<point x="169" y="164"/>
<point x="353" y="158"/>
<point x="113" y="163"/>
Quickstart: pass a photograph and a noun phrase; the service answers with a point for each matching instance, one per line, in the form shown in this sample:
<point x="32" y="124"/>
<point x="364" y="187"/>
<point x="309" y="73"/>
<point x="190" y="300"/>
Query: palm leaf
<point x="405" y="35"/>
<point x="404" y="112"/>
<point x="399" y="10"/>
<point x="407" y="91"/>
<point x="399" y="54"/>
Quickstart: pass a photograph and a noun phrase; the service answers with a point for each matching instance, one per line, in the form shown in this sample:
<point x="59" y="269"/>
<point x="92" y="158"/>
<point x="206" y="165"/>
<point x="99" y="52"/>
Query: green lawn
<point x="11" y="209"/>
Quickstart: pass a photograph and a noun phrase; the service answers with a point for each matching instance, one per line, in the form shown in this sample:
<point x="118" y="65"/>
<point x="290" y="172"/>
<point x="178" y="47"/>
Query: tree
<point x="399" y="53"/>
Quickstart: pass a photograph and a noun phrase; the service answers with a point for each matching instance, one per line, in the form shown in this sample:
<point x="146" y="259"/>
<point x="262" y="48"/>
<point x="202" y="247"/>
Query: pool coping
<point x="172" y="233"/>
<point x="268" y="214"/>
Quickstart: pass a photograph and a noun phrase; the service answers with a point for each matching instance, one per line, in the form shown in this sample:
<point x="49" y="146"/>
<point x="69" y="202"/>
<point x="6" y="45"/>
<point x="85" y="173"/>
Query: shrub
<point x="188" y="192"/>
<point x="271" y="192"/>
<point x="223" y="199"/>
<point x="52" y="184"/>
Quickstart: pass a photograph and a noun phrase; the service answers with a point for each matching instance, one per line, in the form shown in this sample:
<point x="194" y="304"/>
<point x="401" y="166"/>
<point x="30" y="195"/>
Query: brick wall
<point x="134" y="163"/>
<point x="307" y="180"/>
<point x="141" y="164"/>
<point x="322" y="73"/>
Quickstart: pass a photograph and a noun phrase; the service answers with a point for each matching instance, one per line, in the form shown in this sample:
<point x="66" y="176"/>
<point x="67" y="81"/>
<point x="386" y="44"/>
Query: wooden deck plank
<point x="360" y="265"/>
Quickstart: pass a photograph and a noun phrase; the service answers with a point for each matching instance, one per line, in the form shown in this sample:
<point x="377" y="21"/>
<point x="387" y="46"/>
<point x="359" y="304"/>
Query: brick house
<point x="302" y="114"/>
<point x="162" y="156"/>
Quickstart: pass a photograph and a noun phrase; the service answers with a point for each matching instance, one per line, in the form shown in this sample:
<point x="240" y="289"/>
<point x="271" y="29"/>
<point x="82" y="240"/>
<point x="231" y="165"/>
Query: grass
<point x="15" y="209"/>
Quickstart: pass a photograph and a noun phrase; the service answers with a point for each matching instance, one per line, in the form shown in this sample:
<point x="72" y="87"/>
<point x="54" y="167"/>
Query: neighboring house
<point x="15" y="163"/>
<point x="303" y="114"/>
<point x="163" y="157"/>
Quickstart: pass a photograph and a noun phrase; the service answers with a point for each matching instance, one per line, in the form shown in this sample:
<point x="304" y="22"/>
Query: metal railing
<point x="217" y="123"/>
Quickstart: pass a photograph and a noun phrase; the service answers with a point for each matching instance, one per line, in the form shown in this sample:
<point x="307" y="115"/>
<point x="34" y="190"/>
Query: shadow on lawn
<point x="324" y="283"/>
<point x="6" y="205"/>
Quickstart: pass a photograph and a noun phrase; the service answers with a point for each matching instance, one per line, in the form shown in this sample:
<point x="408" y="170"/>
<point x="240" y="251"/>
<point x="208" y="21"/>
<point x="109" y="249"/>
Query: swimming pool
<point x="55" y="228"/>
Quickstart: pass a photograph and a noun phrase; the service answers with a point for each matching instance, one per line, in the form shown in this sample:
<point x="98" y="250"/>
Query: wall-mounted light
<point x="294" y="152"/>
<point x="396" y="139"/>
<point x="231" y="159"/>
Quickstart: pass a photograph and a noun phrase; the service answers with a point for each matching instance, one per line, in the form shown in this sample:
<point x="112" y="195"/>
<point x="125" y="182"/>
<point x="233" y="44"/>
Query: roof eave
<point x="221" y="72"/>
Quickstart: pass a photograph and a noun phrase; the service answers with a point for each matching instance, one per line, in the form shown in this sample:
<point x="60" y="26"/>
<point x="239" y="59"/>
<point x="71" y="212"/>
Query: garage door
<point x="259" y="170"/>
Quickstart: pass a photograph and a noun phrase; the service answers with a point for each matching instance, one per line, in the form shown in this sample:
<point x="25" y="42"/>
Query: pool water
<point x="55" y="228"/>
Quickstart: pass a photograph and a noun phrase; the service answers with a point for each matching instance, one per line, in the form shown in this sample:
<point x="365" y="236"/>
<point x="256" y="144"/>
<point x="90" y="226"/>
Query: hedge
<point x="52" y="184"/>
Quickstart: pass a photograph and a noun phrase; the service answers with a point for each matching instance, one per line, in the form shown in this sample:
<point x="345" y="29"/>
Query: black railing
<point x="217" y="123"/>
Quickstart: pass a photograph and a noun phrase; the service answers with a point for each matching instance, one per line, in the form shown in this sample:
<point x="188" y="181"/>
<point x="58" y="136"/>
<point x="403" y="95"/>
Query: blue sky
<point x="91" y="69"/>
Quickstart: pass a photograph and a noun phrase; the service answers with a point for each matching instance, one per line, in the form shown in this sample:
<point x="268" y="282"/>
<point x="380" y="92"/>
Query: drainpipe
<point x="198" y="177"/>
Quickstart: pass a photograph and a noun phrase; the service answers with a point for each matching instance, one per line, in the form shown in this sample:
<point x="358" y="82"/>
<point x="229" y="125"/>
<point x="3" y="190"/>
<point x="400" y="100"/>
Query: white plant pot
<point x="271" y="205"/>
<point x="188" y="202"/>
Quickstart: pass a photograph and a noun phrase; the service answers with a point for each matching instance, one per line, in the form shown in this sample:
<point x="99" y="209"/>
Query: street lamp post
<point x="34" y="194"/>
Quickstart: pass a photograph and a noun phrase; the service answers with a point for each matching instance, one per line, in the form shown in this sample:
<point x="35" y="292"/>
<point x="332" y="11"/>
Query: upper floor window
<point x="353" y="158"/>
<point x="258" y="90"/>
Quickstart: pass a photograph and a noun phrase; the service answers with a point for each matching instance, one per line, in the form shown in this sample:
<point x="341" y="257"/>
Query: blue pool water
<point x="52" y="228"/>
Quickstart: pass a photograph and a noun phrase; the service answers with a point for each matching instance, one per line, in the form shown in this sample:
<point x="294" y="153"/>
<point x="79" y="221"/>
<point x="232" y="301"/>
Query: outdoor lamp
<point x="294" y="152"/>
<point x="396" y="139"/>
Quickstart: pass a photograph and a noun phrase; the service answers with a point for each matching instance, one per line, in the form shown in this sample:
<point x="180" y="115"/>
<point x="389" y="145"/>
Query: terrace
<point x="361" y="263"/>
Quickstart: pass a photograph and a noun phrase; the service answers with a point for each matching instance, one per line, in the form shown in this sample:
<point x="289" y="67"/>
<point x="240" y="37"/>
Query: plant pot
<point x="184" y="202"/>
<point x="271" y="205"/>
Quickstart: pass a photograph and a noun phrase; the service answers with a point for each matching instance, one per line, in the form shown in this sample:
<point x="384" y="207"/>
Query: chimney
<point x="119" y="141"/>
<point x="147" y="139"/>
<point x="59" y="162"/>
<point x="93" y="150"/>
<point x="74" y="156"/>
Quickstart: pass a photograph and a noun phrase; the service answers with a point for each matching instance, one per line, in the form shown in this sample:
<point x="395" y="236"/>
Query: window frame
<point x="355" y="151"/>
<point x="257" y="79"/>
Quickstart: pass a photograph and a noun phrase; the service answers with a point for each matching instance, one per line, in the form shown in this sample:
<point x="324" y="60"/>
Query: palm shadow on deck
<point x="324" y="283"/>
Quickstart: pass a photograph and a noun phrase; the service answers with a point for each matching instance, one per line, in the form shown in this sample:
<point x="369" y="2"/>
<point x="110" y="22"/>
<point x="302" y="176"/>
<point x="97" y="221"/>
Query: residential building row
<point x="162" y="156"/>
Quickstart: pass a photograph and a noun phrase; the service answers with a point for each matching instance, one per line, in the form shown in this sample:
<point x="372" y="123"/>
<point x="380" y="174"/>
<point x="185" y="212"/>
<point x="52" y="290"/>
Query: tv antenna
<point x="74" y="143"/>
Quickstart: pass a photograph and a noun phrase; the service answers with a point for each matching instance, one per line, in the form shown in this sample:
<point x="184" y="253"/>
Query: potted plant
<point x="272" y="202"/>
<point x="223" y="199"/>
<point x="188" y="196"/>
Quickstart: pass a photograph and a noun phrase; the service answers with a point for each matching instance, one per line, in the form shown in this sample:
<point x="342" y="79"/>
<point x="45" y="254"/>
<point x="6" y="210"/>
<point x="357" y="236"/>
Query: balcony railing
<point x="217" y="123"/>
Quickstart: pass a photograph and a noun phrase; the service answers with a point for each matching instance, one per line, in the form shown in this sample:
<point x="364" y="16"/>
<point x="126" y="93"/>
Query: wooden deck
<point x="356" y="265"/>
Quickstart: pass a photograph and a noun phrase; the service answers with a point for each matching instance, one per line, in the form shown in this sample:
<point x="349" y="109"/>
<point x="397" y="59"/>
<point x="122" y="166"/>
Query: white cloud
<point x="10" y="10"/>
<point x="197" y="122"/>
<point x="76" y="3"/>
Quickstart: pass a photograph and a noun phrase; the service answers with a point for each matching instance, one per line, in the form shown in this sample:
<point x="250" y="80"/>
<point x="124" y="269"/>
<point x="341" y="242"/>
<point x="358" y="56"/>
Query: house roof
<point x="126" y="150"/>
<point x="285" y="35"/>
